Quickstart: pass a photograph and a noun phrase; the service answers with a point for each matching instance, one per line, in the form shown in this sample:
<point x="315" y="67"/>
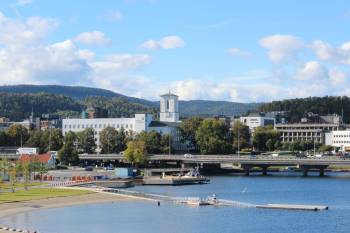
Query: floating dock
<point x="174" y="180"/>
<point x="293" y="207"/>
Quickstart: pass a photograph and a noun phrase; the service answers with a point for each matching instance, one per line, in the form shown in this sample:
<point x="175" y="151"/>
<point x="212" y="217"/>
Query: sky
<point x="241" y="51"/>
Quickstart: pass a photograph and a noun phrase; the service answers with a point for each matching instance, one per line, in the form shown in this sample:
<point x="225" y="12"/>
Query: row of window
<point x="342" y="142"/>
<point x="342" y="136"/>
<point x="97" y="126"/>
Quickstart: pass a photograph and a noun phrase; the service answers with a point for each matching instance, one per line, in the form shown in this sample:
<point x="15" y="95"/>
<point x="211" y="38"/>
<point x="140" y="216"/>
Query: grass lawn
<point x="7" y="185"/>
<point x="39" y="193"/>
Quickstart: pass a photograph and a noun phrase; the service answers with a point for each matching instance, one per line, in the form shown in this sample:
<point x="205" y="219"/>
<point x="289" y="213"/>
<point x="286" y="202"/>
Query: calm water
<point x="146" y="217"/>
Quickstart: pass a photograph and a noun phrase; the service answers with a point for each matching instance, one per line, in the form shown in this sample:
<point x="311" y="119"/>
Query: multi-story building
<point x="254" y="120"/>
<point x="305" y="131"/>
<point x="311" y="128"/>
<point x="168" y="124"/>
<point x="340" y="139"/>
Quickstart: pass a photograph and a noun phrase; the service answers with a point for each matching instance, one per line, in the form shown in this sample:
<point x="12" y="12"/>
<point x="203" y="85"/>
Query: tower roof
<point x="169" y="94"/>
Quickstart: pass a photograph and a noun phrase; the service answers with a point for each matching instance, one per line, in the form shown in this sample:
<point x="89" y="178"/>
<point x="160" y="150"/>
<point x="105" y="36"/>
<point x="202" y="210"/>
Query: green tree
<point x="54" y="138"/>
<point x="86" y="141"/>
<point x="68" y="154"/>
<point x="4" y="141"/>
<point x="270" y="144"/>
<point x="213" y="137"/>
<point x="122" y="140"/>
<point x="262" y="134"/>
<point x="18" y="134"/>
<point x="188" y="128"/>
<point x="240" y="135"/>
<point x="35" y="140"/>
<point x="325" y="148"/>
<point x="152" y="141"/>
<point x="108" y="140"/>
<point x="136" y="152"/>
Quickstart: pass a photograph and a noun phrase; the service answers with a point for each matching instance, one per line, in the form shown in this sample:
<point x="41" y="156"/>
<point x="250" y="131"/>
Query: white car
<point x="188" y="156"/>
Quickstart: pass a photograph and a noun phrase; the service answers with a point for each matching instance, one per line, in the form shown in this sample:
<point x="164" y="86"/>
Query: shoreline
<point x="13" y="208"/>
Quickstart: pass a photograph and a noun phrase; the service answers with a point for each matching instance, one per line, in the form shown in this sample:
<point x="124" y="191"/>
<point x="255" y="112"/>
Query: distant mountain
<point x="76" y="92"/>
<point x="125" y="105"/>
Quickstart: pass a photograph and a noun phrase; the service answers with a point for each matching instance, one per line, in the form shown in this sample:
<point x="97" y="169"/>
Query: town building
<point x="311" y="128"/>
<point x="254" y="120"/>
<point x="48" y="160"/>
<point x="168" y="123"/>
<point x="339" y="139"/>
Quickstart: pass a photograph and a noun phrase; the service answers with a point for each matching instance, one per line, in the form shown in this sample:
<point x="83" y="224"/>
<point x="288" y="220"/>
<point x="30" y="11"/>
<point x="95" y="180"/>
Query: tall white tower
<point x="169" y="108"/>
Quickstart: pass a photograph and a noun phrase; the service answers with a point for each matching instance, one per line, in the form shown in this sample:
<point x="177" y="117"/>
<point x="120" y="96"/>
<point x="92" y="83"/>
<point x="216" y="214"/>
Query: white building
<point x="169" y="108"/>
<point x="168" y="124"/>
<point x="254" y="120"/>
<point x="339" y="139"/>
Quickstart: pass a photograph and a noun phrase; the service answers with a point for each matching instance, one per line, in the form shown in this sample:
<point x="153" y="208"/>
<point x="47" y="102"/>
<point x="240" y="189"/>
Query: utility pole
<point x="169" y="144"/>
<point x="238" y="142"/>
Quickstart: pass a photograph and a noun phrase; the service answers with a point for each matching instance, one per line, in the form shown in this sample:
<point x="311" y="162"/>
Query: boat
<point x="191" y="177"/>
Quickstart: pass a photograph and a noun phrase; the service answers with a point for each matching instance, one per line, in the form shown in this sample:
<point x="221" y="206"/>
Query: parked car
<point x="188" y="156"/>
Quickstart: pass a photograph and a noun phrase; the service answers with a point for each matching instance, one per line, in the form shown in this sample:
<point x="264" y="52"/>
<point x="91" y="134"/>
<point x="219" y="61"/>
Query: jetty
<point x="293" y="207"/>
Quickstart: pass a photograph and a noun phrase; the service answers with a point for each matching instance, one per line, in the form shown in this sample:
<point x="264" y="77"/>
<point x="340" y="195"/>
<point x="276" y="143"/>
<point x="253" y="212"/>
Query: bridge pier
<point x="305" y="171"/>
<point x="322" y="171"/>
<point x="264" y="170"/>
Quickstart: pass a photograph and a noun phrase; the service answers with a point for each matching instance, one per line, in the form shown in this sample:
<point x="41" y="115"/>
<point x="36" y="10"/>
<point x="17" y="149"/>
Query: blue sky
<point x="246" y="51"/>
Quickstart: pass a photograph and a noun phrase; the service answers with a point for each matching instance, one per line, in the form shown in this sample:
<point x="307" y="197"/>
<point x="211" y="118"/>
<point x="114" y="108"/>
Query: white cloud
<point x="337" y="77"/>
<point x="23" y="2"/>
<point x="236" y="52"/>
<point x="312" y="70"/>
<point x="327" y="52"/>
<point x="26" y="58"/>
<point x="113" y="15"/>
<point x="168" y="42"/>
<point x="93" y="38"/>
<point x="15" y="33"/>
<point x="282" y="48"/>
<point x="204" y="89"/>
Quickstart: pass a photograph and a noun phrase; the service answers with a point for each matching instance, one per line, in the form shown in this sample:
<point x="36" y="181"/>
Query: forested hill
<point x="298" y="108"/>
<point x="117" y="104"/>
<point x="206" y="108"/>
<point x="19" y="106"/>
<point x="76" y="92"/>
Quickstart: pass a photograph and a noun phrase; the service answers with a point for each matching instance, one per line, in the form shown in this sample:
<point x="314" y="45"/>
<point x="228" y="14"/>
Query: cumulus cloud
<point x="337" y="77"/>
<point x="327" y="52"/>
<point x="168" y="42"/>
<point x="236" y="52"/>
<point x="92" y="38"/>
<point x="15" y="33"/>
<point x="312" y="70"/>
<point x="282" y="48"/>
<point x="26" y="58"/>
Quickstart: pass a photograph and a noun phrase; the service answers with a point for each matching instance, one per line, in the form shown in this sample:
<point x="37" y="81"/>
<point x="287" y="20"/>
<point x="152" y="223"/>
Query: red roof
<point x="43" y="158"/>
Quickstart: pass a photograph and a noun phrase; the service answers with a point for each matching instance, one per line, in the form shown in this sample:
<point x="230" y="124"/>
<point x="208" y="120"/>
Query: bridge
<point x="245" y="162"/>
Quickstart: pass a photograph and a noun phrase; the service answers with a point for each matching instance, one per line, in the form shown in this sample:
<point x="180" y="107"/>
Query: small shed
<point x="124" y="172"/>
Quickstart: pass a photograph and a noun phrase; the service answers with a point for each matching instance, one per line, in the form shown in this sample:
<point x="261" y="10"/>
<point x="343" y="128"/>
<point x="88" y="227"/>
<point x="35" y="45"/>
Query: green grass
<point x="39" y="193"/>
<point x="7" y="185"/>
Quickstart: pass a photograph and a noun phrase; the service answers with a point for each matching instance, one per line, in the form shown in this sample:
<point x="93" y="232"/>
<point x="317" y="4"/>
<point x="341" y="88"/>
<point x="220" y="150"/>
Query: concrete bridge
<point x="245" y="162"/>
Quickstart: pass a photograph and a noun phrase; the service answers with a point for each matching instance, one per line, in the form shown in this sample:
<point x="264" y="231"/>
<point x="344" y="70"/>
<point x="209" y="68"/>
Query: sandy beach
<point x="8" y="209"/>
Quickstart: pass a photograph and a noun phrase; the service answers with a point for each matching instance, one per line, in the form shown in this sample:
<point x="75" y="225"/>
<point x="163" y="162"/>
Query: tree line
<point x="300" y="107"/>
<point x="19" y="106"/>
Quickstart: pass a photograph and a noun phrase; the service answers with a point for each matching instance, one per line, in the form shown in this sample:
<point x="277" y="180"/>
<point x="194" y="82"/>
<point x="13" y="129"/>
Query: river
<point x="146" y="217"/>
